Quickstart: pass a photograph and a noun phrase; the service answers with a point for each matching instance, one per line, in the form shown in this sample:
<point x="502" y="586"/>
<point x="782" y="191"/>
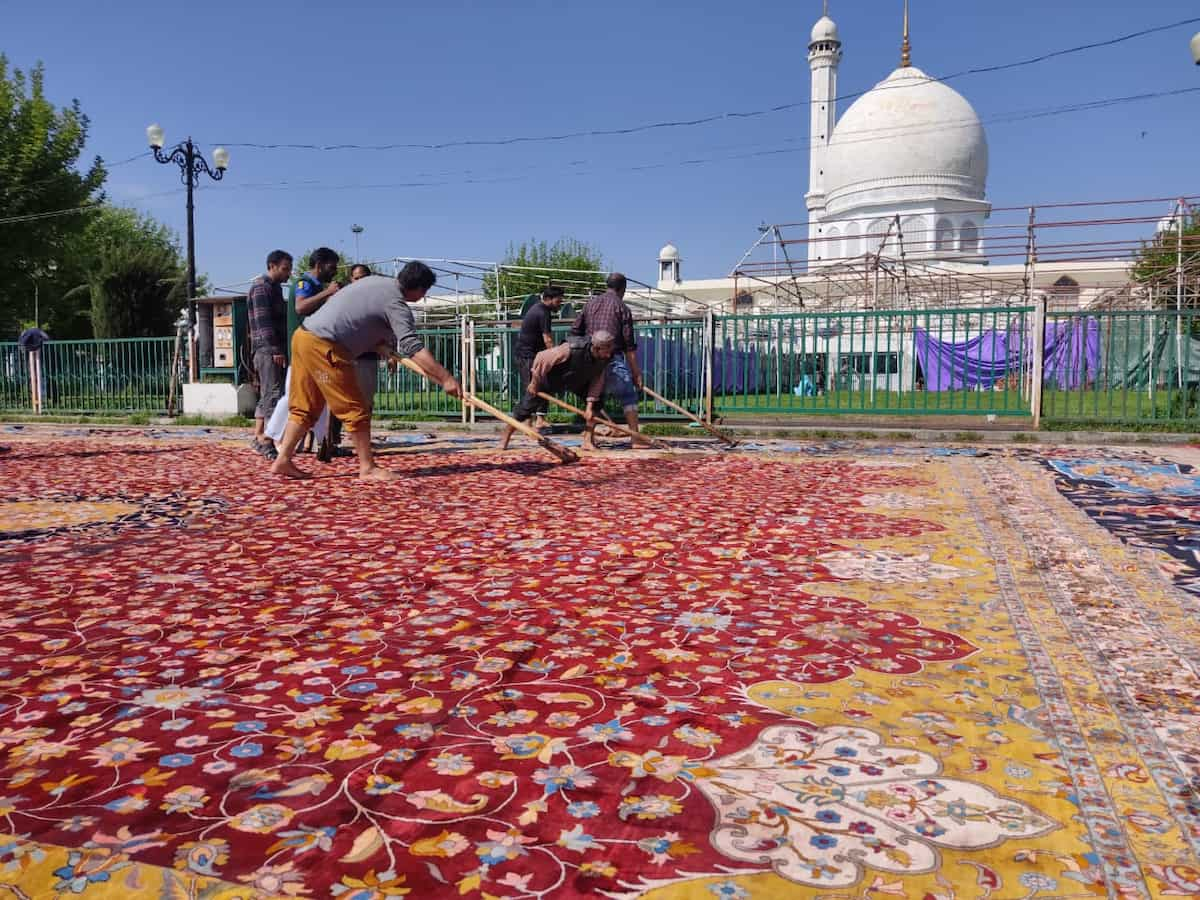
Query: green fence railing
<point x="119" y="376"/>
<point x="873" y="362"/>
<point x="14" y="378"/>
<point x="1133" y="367"/>
<point x="404" y="393"/>
<point x="1099" y="366"/>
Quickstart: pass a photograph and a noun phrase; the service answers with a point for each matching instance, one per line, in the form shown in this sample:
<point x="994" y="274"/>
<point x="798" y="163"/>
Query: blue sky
<point x="374" y="73"/>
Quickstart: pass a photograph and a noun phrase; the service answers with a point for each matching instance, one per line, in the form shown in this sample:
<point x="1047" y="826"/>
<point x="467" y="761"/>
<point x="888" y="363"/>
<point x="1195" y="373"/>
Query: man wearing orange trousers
<point x="371" y="311"/>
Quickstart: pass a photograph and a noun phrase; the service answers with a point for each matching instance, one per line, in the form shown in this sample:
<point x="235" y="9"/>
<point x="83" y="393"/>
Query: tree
<point x="527" y="269"/>
<point x="39" y="186"/>
<point x="1156" y="264"/>
<point x="134" y="276"/>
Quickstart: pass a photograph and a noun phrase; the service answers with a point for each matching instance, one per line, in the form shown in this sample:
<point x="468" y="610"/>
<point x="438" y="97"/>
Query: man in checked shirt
<point x="267" y="311"/>
<point x="608" y="312"/>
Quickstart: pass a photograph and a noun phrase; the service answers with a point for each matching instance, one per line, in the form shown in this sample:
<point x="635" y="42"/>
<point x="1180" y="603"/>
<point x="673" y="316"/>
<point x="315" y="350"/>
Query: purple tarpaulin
<point x="978" y="362"/>
<point x="1072" y="353"/>
<point x="1072" y="356"/>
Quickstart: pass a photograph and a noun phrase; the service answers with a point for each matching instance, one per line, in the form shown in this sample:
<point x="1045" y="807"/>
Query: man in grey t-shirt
<point x="371" y="311"/>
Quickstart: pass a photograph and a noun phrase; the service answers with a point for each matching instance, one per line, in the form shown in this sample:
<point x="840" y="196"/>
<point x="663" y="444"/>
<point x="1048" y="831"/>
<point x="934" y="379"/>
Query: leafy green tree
<point x="134" y="276"/>
<point x="528" y="268"/>
<point x="40" y="146"/>
<point x="1156" y="264"/>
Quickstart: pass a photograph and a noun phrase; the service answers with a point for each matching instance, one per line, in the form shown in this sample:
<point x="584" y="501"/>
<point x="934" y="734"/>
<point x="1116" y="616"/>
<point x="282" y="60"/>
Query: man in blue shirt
<point x="311" y="295"/>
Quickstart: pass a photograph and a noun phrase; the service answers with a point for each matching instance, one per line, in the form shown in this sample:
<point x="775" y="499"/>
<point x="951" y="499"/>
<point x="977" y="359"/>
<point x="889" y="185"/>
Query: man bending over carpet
<point x="369" y="312"/>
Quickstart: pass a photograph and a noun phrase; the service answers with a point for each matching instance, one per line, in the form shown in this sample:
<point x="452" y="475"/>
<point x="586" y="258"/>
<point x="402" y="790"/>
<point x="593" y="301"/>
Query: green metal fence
<point x="119" y="376"/>
<point x="868" y="362"/>
<point x="14" y="378"/>
<point x="404" y="393"/>
<point x="1134" y="367"/>
<point x="1106" y="366"/>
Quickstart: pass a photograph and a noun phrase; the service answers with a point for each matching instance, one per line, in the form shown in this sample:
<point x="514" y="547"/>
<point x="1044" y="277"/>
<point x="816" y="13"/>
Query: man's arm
<point x="437" y="372"/>
<point x="306" y="305"/>
<point x="408" y="344"/>
<point x="579" y="326"/>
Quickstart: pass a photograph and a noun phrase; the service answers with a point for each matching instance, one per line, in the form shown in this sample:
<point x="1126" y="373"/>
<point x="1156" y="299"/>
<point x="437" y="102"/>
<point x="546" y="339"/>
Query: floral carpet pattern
<point x="1154" y="504"/>
<point x="768" y="675"/>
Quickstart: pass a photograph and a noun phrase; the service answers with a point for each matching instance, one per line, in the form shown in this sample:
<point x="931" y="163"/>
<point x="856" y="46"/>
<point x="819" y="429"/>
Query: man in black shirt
<point x="534" y="337"/>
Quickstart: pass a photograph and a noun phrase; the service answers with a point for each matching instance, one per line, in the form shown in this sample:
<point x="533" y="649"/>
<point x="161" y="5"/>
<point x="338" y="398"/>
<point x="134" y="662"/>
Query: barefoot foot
<point x="378" y="474"/>
<point x="288" y="469"/>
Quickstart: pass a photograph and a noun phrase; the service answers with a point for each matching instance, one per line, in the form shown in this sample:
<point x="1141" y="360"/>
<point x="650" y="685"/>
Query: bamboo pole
<point x="563" y="454"/>
<point x="675" y="406"/>
<point x="619" y="429"/>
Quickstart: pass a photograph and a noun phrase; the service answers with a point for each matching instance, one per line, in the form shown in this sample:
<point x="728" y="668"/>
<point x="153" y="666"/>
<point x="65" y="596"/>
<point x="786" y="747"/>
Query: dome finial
<point x="825" y="9"/>
<point x="905" y="47"/>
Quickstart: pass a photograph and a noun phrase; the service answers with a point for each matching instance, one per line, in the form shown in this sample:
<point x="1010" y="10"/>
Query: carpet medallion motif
<point x="687" y="677"/>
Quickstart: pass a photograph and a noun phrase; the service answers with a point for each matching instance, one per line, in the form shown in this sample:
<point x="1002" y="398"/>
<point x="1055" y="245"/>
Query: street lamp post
<point x="357" y="229"/>
<point x="191" y="165"/>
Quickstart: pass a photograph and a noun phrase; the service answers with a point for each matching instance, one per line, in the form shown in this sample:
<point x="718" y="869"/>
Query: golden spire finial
<point x="905" y="47"/>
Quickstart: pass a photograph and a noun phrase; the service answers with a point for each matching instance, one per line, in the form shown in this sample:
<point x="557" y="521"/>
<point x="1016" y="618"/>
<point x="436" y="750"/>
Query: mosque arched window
<point x="968" y="238"/>
<point x="945" y="235"/>
<point x="850" y="243"/>
<point x="833" y="244"/>
<point x="1064" y="292"/>
<point x="913" y="230"/>
<point x="875" y="235"/>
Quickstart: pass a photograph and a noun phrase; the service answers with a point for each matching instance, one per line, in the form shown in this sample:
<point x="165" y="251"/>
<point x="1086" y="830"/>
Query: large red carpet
<point x="688" y="676"/>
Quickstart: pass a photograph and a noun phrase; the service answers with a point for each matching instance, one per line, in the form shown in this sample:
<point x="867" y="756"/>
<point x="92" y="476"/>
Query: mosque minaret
<point x="911" y="147"/>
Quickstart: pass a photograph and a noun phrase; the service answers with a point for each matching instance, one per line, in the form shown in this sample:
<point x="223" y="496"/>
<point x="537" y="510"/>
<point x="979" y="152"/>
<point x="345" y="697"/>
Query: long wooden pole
<point x="619" y="429"/>
<point x="716" y="432"/>
<point x="564" y="454"/>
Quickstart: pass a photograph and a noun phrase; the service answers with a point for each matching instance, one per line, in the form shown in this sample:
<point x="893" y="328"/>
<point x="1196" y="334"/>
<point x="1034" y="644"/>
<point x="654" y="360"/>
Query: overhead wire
<point x="700" y="120"/>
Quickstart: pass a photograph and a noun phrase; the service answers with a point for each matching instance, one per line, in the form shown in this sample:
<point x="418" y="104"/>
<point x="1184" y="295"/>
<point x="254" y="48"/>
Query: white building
<point x="900" y="179"/>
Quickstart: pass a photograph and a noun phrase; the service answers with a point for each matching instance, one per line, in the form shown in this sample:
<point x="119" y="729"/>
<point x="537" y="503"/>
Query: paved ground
<point x="795" y="669"/>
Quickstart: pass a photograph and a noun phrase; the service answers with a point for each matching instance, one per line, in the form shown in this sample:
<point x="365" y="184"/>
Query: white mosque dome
<point x="669" y="253"/>
<point x="824" y="30"/>
<point x="910" y="137"/>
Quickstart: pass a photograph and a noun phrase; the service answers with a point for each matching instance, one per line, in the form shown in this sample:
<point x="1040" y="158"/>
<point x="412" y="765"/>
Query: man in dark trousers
<point x="267" y="312"/>
<point x="579" y="366"/>
<point x="608" y="312"/>
<point x="535" y="336"/>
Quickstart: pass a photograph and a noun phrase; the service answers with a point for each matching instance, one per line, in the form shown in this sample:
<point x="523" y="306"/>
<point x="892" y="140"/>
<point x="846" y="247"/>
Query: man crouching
<point x="579" y="366"/>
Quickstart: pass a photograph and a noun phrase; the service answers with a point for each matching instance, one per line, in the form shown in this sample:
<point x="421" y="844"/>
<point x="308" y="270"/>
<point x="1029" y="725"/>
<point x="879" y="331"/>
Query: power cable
<point x="701" y="120"/>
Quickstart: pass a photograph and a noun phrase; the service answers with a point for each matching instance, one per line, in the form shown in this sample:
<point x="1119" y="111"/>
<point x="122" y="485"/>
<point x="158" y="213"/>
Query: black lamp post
<point x="191" y="165"/>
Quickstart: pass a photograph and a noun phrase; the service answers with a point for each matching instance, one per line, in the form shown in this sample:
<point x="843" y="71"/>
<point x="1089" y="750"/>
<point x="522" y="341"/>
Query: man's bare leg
<point x="367" y="470"/>
<point x="540" y="423"/>
<point x="283" y="464"/>
<point x="589" y="437"/>
<point x="631" y="419"/>
<point x="506" y="436"/>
